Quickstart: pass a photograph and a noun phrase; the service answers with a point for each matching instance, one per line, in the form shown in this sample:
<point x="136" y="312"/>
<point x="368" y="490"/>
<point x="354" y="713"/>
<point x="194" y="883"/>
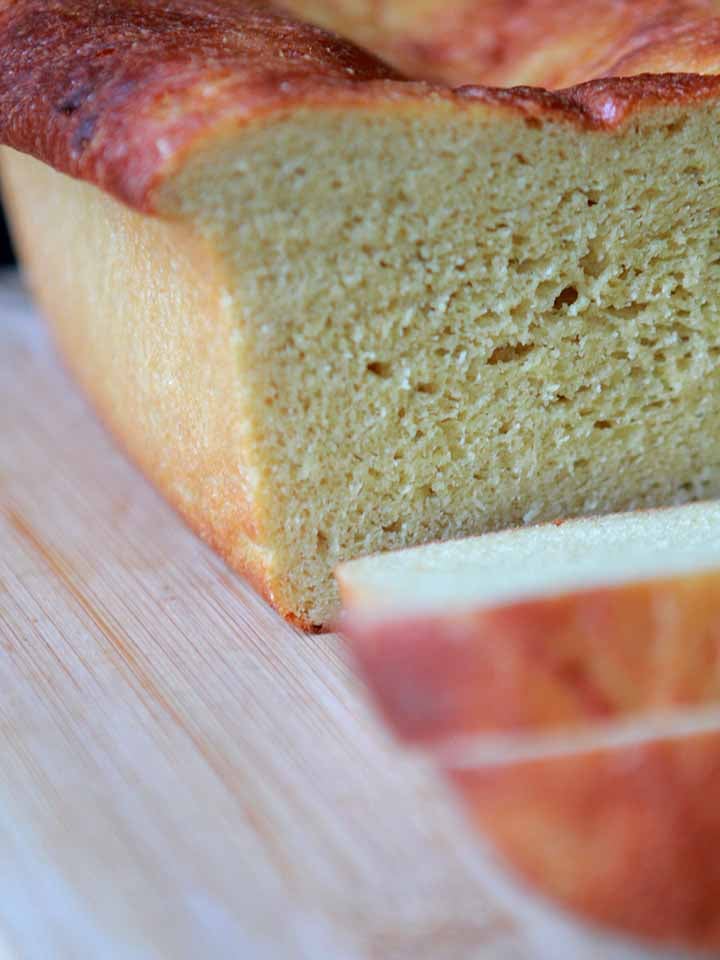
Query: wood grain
<point x="182" y="774"/>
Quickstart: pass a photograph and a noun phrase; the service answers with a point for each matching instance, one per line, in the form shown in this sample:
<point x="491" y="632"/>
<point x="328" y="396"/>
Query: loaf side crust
<point x="137" y="362"/>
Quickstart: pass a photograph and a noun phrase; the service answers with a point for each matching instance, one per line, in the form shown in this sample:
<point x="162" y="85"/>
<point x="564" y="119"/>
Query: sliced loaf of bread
<point x="332" y="309"/>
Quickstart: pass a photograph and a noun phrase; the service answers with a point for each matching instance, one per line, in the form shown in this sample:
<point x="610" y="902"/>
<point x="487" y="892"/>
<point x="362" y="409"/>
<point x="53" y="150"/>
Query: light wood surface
<point x="181" y="773"/>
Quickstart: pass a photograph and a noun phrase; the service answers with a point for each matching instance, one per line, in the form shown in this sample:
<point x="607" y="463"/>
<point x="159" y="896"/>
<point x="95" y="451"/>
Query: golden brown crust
<point x="560" y="661"/>
<point x="602" y="104"/>
<point x="626" y="836"/>
<point x="109" y="90"/>
<point x="116" y="91"/>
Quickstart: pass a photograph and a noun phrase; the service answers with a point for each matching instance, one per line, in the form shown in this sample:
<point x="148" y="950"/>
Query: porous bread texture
<point x="428" y="319"/>
<point x="450" y="320"/>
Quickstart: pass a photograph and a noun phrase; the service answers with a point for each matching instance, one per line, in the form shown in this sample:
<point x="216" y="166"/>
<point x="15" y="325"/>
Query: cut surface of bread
<point x="579" y="718"/>
<point x="333" y="311"/>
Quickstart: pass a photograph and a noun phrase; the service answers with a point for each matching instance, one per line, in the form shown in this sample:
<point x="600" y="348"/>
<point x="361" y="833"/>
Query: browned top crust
<point x="107" y="90"/>
<point x="114" y="91"/>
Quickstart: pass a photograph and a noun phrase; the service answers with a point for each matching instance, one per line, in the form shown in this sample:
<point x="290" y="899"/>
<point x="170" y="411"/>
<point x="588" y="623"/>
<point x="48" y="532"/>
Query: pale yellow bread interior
<point x="352" y="329"/>
<point x="536" y="561"/>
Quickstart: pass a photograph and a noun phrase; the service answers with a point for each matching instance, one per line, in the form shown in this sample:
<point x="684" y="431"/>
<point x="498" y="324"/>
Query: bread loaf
<point x="566" y="678"/>
<point x="331" y="309"/>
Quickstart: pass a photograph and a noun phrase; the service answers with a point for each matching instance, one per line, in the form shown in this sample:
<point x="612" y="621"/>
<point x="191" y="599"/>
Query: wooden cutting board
<point x="182" y="774"/>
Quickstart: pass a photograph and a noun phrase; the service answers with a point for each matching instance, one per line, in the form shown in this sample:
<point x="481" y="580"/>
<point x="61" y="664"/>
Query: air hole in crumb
<point x="533" y="122"/>
<point x="426" y="388"/>
<point x="676" y="125"/>
<point x="603" y="424"/>
<point x="592" y="202"/>
<point x="322" y="541"/>
<point x="521" y="159"/>
<point x="509" y="352"/>
<point x="579" y="464"/>
<point x="380" y="369"/>
<point x="392" y="527"/>
<point x="565" y="298"/>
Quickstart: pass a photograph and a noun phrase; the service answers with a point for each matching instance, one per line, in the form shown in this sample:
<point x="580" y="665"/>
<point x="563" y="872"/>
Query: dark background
<point x="6" y="254"/>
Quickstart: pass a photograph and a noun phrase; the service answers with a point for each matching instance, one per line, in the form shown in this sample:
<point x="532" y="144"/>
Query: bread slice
<point x="331" y="310"/>
<point x="566" y="678"/>
<point x="549" y="626"/>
